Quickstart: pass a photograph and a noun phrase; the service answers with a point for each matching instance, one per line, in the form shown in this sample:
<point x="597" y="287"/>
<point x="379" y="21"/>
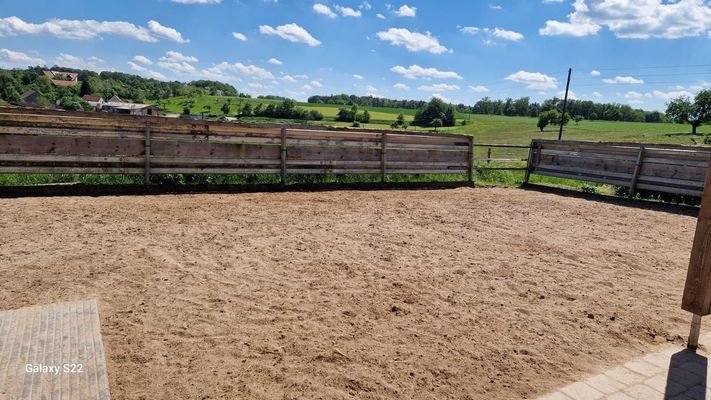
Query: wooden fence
<point x="41" y="141"/>
<point x="660" y="168"/>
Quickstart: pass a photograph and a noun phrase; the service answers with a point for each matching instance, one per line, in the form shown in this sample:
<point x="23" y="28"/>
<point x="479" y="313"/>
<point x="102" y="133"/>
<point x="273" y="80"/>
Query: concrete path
<point x="670" y="373"/>
<point x="52" y="352"/>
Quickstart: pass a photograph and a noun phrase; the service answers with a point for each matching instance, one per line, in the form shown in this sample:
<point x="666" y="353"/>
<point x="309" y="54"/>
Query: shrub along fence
<point x="674" y="169"/>
<point x="41" y="141"/>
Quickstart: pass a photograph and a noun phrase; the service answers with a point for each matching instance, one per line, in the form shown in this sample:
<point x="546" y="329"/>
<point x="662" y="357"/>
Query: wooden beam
<point x="470" y="166"/>
<point x="283" y="157"/>
<point x="697" y="289"/>
<point x="383" y="144"/>
<point x="147" y="155"/>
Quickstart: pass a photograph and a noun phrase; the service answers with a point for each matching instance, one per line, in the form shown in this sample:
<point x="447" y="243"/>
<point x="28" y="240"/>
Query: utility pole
<point x="565" y="103"/>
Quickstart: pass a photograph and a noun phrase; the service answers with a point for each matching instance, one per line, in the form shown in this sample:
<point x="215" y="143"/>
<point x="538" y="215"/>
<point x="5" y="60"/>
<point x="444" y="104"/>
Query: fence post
<point x="283" y="157"/>
<point x="637" y="171"/>
<point x="383" y="141"/>
<point x="529" y="164"/>
<point x="470" y="162"/>
<point x="488" y="155"/>
<point x="147" y="155"/>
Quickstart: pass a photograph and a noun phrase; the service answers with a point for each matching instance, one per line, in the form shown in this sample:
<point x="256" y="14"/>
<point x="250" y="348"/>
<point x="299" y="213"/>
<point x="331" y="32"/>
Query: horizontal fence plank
<point x="667" y="169"/>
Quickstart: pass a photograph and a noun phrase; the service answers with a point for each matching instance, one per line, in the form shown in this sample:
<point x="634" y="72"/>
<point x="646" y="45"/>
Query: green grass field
<point x="484" y="128"/>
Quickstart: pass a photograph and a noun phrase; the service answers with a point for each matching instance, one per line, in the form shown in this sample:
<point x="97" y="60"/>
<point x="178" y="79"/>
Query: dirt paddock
<point x="463" y="293"/>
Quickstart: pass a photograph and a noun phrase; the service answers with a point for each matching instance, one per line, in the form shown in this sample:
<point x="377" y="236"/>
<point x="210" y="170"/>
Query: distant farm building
<point x="29" y="98"/>
<point x="95" y="101"/>
<point x="65" y="79"/>
<point x="117" y="106"/>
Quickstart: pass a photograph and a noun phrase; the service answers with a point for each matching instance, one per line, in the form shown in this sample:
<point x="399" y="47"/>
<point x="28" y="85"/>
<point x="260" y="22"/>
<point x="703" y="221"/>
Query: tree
<point x="682" y="110"/>
<point x="186" y="110"/>
<point x="435" y="109"/>
<point x="543" y="120"/>
<point x="577" y="119"/>
<point x="85" y="88"/>
<point x="400" y="121"/>
<point x="246" y="110"/>
<point x="365" y="117"/>
<point x="225" y="109"/>
<point x="437" y="123"/>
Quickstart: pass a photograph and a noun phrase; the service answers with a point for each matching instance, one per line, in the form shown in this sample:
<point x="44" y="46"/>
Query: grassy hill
<point x="484" y="128"/>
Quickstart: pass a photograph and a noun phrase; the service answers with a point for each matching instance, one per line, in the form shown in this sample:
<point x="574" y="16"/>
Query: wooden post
<point x="697" y="289"/>
<point x="529" y="164"/>
<point x="637" y="171"/>
<point x="565" y="103"/>
<point x="383" y="141"/>
<point x="488" y="155"/>
<point x="470" y="169"/>
<point x="283" y="157"/>
<point x="694" y="332"/>
<point x="147" y="155"/>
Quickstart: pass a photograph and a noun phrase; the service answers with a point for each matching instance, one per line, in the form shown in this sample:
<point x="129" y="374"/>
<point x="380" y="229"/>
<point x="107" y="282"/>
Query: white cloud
<point x="275" y="61"/>
<point x="68" y="60"/>
<point x="88" y="29"/>
<point x="401" y="86"/>
<point x="288" y="78"/>
<point x="291" y="32"/>
<point x="166" y="32"/>
<point x="380" y="16"/>
<point x="406" y="11"/>
<point x="348" y="12"/>
<point x="595" y="73"/>
<point x="633" y="95"/>
<point x="239" y="36"/>
<point x="324" y="10"/>
<point x="624" y="79"/>
<point x="495" y="7"/>
<point x="413" y="41"/>
<point x="197" y="1"/>
<point x="357" y="76"/>
<point x="496" y="32"/>
<point x="641" y="19"/>
<point x="597" y="94"/>
<point x="671" y="94"/>
<point x="533" y="80"/>
<point x="15" y="59"/>
<point x="438" y="87"/>
<point x="552" y="1"/>
<point x="635" y="101"/>
<point x="176" y="56"/>
<point x="316" y="84"/>
<point x="479" y="89"/>
<point x="439" y="96"/>
<point x="571" y="95"/>
<point x="307" y="87"/>
<point x="143" y="60"/>
<point x="370" y="89"/>
<point x="365" y="5"/>
<point x="507" y="35"/>
<point x="146" y="72"/>
<point x="247" y="70"/>
<point x="415" y="71"/>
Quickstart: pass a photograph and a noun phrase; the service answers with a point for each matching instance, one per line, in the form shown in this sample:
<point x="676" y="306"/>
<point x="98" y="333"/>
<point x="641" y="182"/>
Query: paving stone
<point x="643" y="368"/>
<point x="643" y="392"/>
<point x="582" y="391"/>
<point x="660" y="359"/>
<point x="65" y="336"/>
<point x="624" y="375"/>
<point x="604" y="384"/>
<point x="684" y="377"/>
<point x="661" y="384"/>
<point x="619" y="396"/>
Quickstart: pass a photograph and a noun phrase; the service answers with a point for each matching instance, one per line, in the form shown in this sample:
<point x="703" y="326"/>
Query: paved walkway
<point x="671" y="373"/>
<point x="52" y="352"/>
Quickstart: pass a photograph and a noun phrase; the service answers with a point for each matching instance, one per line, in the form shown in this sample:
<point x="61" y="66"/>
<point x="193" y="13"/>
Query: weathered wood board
<point x="662" y="168"/>
<point x="697" y="289"/>
<point x="52" y="352"/>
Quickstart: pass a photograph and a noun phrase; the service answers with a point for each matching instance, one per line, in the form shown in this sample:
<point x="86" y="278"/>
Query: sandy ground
<point x="466" y="293"/>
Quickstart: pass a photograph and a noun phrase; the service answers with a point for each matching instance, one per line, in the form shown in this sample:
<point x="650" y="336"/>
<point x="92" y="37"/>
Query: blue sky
<point x="640" y="52"/>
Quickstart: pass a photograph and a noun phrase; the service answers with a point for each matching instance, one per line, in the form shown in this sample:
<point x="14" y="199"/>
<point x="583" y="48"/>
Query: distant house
<point x="29" y="98"/>
<point x="66" y="79"/>
<point x="219" y="93"/>
<point x="95" y="101"/>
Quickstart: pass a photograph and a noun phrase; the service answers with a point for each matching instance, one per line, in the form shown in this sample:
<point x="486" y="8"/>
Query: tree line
<point x="105" y="84"/>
